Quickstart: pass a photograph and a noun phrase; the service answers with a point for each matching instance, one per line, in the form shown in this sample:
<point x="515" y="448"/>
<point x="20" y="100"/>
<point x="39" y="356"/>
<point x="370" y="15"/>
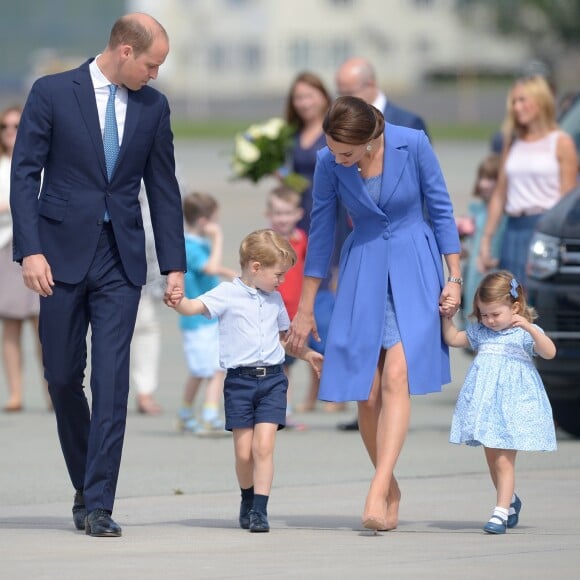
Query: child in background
<point x="203" y="246"/>
<point x="471" y="228"/>
<point x="252" y="323"/>
<point x="283" y="212"/>
<point x="502" y="404"/>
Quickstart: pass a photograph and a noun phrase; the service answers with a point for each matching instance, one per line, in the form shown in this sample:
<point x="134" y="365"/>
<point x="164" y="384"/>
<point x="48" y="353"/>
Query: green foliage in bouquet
<point x="261" y="150"/>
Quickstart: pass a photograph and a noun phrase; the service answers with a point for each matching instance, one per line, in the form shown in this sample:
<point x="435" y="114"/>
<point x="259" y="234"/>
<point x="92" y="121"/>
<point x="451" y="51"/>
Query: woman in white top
<point x="539" y="166"/>
<point x="17" y="303"/>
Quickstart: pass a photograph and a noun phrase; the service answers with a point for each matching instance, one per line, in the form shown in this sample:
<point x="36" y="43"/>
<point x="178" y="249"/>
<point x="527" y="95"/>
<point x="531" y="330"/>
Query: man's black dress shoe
<point x="100" y="524"/>
<point x="79" y="511"/>
<point x="350" y="426"/>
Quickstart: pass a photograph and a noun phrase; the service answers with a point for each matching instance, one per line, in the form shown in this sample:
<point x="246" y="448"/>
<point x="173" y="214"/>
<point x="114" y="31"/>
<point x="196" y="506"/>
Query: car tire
<point x="567" y="415"/>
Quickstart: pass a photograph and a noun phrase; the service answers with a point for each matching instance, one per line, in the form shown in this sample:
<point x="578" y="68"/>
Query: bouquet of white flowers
<point x="262" y="150"/>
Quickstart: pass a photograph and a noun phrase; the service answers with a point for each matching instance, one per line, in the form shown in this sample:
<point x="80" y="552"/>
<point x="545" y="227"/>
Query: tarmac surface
<point x="177" y="498"/>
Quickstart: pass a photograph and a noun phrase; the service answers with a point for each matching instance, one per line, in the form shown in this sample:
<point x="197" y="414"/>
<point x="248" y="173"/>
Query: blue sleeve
<point x="164" y="196"/>
<point x="283" y="318"/>
<point x="529" y="341"/>
<point x="437" y="198"/>
<point x="472" y="332"/>
<point x="323" y="219"/>
<point x="28" y="160"/>
<point x="216" y="300"/>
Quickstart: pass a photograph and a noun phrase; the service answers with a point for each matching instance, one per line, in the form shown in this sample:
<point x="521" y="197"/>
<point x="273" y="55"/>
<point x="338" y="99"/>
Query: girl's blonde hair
<point x="538" y="89"/>
<point x="266" y="247"/>
<point x="502" y="286"/>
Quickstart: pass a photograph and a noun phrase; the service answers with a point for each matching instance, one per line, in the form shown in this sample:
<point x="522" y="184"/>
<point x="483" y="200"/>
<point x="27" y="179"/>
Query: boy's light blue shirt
<point x="197" y="251"/>
<point x="250" y="322"/>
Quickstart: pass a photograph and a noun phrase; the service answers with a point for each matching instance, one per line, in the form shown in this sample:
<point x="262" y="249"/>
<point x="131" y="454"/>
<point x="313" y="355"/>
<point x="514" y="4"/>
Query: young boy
<point x="203" y="246"/>
<point x="252" y="323"/>
<point x="283" y="212"/>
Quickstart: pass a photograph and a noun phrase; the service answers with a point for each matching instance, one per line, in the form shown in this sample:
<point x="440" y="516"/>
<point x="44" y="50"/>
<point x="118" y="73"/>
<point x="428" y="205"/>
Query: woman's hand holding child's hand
<point x="448" y="307"/>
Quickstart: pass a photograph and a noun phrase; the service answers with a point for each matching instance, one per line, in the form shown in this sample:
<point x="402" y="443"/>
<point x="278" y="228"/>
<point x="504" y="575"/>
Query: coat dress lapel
<point x="394" y="161"/>
<point x="350" y="178"/>
<point x="395" y="158"/>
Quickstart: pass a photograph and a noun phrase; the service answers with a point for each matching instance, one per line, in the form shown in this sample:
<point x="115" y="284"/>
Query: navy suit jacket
<point x="59" y="153"/>
<point x="399" y="116"/>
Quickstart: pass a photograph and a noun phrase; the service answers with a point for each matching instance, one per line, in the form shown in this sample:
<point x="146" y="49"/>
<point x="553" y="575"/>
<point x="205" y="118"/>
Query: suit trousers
<point x="91" y="439"/>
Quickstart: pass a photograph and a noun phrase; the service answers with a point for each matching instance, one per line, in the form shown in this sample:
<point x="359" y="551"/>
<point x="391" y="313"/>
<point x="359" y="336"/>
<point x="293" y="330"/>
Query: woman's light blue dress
<point x="503" y="403"/>
<point x="391" y="334"/>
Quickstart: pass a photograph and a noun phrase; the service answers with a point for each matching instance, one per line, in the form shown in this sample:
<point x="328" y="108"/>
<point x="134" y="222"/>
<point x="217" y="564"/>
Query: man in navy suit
<point x="87" y="138"/>
<point x="356" y="77"/>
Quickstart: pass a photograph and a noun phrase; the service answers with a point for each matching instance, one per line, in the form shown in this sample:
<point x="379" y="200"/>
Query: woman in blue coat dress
<point x="384" y="341"/>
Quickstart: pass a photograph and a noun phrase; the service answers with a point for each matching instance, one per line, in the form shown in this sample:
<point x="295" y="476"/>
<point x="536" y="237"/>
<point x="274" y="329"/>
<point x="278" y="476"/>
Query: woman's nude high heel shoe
<point x="375" y="523"/>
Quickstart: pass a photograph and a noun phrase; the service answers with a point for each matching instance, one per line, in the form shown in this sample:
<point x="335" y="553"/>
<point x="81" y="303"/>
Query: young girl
<point x="252" y="323"/>
<point x="485" y="182"/>
<point x="502" y="405"/>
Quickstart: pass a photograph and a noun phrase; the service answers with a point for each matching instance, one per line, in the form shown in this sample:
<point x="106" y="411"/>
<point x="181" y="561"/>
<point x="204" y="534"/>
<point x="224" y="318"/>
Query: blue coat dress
<point x="391" y="244"/>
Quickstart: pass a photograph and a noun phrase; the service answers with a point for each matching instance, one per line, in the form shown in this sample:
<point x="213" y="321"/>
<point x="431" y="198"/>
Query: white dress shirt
<point x="101" y="86"/>
<point x="250" y="322"/>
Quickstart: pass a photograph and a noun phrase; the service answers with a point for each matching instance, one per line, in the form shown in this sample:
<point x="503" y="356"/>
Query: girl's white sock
<point x="500" y="512"/>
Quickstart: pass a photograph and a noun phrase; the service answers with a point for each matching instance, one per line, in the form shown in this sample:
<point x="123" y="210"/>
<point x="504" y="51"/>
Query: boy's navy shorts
<point x="255" y="395"/>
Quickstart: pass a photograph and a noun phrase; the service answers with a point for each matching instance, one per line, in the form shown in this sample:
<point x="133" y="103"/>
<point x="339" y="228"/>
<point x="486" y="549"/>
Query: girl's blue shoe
<point x="495" y="525"/>
<point x="513" y="519"/>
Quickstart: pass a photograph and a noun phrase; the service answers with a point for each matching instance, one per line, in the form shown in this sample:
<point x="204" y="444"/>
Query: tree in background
<point x="550" y="26"/>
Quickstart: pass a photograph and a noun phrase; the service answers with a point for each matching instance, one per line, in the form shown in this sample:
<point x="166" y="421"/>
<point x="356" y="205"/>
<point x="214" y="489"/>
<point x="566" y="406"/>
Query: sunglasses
<point x="4" y="126"/>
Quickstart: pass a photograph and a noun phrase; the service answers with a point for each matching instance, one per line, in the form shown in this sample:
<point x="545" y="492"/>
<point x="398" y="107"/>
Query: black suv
<point x="554" y="289"/>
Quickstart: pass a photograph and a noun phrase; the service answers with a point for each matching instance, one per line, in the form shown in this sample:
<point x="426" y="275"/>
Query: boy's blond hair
<point x="198" y="205"/>
<point x="266" y="247"/>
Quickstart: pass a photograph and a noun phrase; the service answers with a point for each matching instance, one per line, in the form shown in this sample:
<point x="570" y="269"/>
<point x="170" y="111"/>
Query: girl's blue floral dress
<point x="503" y="403"/>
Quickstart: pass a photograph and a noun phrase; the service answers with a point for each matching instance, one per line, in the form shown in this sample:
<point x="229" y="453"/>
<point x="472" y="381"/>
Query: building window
<point x="341" y="3"/>
<point x="300" y="53"/>
<point x="251" y="57"/>
<point x="217" y="57"/>
<point x="339" y="50"/>
<point x="424" y="45"/>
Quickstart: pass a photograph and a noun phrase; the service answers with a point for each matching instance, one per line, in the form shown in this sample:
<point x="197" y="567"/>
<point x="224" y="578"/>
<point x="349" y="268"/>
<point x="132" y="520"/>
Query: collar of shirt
<point x="101" y="87"/>
<point x="248" y="289"/>
<point x="380" y="102"/>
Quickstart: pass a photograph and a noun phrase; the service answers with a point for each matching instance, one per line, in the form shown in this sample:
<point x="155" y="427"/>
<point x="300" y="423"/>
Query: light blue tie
<point x="111" y="137"/>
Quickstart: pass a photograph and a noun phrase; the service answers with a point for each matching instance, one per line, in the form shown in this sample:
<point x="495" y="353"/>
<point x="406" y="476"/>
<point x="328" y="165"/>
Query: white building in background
<point x="236" y="49"/>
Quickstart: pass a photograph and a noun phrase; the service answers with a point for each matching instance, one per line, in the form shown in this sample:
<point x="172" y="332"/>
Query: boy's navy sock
<point x="248" y="495"/>
<point x="260" y="503"/>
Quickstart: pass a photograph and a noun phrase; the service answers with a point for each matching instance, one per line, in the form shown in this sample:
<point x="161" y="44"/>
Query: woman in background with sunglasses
<point x="17" y="303"/>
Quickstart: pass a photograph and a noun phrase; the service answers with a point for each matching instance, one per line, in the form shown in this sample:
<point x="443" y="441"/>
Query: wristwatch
<point x="456" y="280"/>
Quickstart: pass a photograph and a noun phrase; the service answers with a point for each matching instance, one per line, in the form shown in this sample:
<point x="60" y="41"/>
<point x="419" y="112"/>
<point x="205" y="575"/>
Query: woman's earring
<point x="369" y="147"/>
